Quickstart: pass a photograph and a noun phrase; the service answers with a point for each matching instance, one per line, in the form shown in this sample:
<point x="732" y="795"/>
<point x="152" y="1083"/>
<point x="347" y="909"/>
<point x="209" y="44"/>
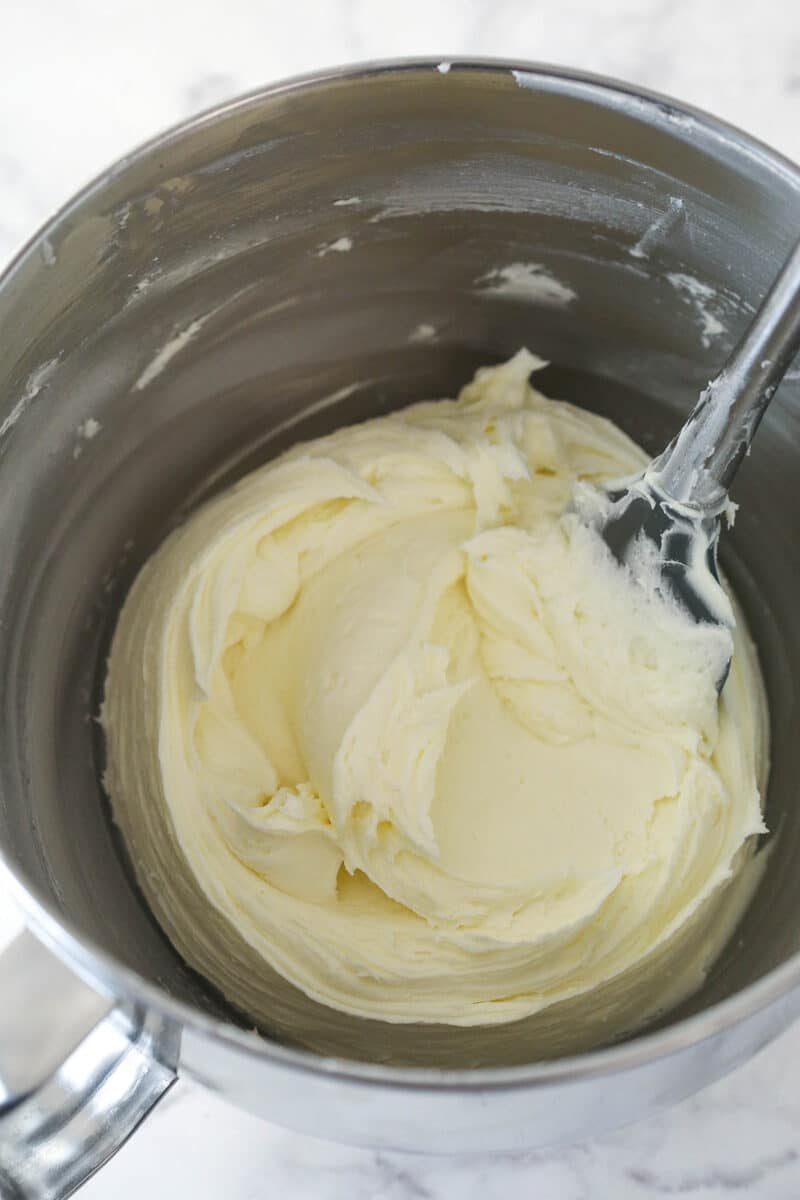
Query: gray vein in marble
<point x="714" y="1179"/>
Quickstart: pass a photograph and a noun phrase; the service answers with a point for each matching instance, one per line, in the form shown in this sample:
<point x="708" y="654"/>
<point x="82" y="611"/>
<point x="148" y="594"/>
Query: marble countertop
<point x="84" y="81"/>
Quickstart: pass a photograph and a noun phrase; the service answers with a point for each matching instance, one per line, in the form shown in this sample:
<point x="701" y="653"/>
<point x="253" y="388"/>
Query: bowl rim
<point x="103" y="970"/>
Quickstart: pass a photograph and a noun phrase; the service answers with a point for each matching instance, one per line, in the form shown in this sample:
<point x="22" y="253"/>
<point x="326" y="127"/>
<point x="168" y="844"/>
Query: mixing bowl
<point x="314" y="254"/>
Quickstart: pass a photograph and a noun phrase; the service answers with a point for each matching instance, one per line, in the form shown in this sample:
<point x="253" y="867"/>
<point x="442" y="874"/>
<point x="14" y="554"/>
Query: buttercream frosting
<point x="417" y="742"/>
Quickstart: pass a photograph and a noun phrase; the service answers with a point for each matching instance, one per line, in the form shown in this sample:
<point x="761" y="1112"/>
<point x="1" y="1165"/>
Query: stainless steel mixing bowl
<point x="319" y="252"/>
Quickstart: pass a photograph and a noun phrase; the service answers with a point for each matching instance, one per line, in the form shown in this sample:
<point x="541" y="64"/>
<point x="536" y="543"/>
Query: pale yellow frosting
<point x="390" y="717"/>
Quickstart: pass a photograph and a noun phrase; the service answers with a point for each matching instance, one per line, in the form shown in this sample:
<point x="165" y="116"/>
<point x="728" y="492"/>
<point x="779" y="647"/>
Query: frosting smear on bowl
<point x="386" y="718"/>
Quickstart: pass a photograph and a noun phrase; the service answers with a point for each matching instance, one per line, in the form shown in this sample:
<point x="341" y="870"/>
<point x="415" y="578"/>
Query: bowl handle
<point x="77" y="1073"/>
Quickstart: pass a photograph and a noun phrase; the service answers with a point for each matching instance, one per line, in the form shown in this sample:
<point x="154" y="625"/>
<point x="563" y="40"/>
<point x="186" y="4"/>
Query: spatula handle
<point x="700" y="463"/>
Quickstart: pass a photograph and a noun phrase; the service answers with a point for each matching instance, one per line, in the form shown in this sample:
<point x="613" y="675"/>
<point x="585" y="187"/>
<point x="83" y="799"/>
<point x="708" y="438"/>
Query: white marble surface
<point x="81" y="82"/>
